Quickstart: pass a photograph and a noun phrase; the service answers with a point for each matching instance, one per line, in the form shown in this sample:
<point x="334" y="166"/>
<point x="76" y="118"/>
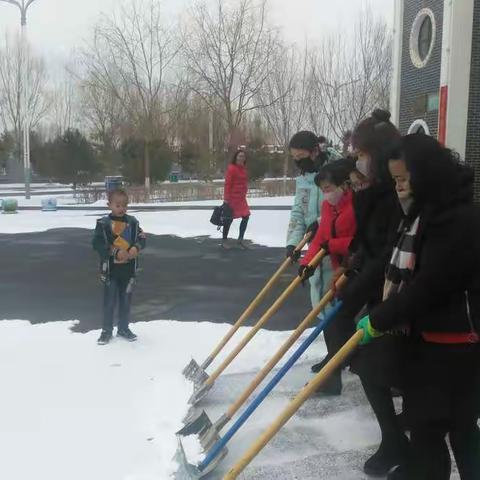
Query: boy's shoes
<point x="127" y="334"/>
<point x="104" y="338"/>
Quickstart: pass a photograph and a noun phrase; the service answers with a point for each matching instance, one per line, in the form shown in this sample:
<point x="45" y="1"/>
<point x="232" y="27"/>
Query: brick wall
<point x="419" y="81"/>
<point x="472" y="153"/>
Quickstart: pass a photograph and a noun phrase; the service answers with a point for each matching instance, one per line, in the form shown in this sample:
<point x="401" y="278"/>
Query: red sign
<point x="442" y="115"/>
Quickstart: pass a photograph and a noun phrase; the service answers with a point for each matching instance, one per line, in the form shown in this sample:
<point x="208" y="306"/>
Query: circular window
<point x="419" y="126"/>
<point x="422" y="37"/>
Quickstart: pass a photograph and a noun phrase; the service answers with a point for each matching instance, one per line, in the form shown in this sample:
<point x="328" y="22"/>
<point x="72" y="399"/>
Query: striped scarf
<point x="402" y="263"/>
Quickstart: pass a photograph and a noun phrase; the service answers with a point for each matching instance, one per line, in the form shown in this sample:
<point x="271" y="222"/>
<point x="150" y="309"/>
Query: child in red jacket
<point x="337" y="220"/>
<point x="335" y="232"/>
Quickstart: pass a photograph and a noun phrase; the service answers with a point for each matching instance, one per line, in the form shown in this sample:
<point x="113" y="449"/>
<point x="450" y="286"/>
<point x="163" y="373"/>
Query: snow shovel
<point x="194" y="371"/>
<point x="200" y="424"/>
<point x="201" y="390"/>
<point x="218" y="450"/>
<point x="320" y="378"/>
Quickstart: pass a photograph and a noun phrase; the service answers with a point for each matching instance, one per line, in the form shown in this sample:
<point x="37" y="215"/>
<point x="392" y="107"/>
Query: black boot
<point x="127" y="334"/>
<point x="390" y="454"/>
<point x="318" y="366"/>
<point x="402" y="472"/>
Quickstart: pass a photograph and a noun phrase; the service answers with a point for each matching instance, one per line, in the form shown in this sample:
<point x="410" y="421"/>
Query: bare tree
<point x="11" y="86"/>
<point x="228" y="53"/>
<point x="349" y="78"/>
<point x="130" y="59"/>
<point x="285" y="96"/>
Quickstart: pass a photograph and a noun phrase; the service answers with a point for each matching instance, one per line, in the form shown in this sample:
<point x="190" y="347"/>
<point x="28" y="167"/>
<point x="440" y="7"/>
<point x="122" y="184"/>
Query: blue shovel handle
<point x="217" y="448"/>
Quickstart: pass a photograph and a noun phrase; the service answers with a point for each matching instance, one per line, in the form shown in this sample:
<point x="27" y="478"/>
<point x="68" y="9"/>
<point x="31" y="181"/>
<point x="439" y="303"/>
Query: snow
<point x="266" y="227"/>
<point x="72" y="409"/>
<point x="193" y="449"/>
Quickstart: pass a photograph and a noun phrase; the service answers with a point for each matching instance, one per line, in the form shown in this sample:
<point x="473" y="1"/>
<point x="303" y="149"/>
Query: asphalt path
<point x="53" y="276"/>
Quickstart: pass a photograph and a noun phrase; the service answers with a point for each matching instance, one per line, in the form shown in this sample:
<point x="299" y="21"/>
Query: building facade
<point x="436" y="73"/>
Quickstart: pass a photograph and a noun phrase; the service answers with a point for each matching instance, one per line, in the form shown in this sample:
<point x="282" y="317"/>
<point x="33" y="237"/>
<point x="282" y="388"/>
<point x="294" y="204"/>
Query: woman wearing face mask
<point x="335" y="232"/>
<point x="304" y="149"/>
<point x="377" y="215"/>
<point x="432" y="289"/>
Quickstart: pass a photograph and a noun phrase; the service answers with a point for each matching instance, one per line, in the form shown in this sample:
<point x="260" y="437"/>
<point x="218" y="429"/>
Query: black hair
<point x="322" y="139"/>
<point x="437" y="177"/>
<point x="304" y="140"/>
<point x="236" y="154"/>
<point x="376" y="135"/>
<point x="336" y="172"/>
<point x="119" y="192"/>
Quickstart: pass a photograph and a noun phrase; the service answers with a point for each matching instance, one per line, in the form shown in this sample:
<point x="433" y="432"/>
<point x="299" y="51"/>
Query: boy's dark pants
<point x="116" y="288"/>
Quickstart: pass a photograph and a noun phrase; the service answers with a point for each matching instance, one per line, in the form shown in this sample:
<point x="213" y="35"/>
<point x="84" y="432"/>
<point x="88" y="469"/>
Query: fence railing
<point x="192" y="191"/>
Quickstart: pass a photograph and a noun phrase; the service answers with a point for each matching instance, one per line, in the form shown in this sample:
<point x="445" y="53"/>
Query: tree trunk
<point x="285" y="171"/>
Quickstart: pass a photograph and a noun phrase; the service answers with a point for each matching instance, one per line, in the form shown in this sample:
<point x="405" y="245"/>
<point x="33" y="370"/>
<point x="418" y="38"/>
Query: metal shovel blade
<point x="195" y="424"/>
<point x="200" y="393"/>
<point x="191" y="370"/>
<point x="187" y="471"/>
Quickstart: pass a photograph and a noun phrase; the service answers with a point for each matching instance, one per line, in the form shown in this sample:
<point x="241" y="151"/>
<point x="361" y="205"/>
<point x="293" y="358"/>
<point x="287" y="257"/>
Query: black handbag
<point x="221" y="215"/>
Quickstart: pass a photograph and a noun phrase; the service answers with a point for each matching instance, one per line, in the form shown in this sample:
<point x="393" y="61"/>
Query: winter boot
<point x="318" y="366"/>
<point x="390" y="454"/>
<point x="104" y="338"/>
<point x="127" y="334"/>
<point x="402" y="472"/>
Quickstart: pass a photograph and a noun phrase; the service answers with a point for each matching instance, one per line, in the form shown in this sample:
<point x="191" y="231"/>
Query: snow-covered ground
<point x="72" y="410"/>
<point x="68" y="199"/>
<point x="265" y="228"/>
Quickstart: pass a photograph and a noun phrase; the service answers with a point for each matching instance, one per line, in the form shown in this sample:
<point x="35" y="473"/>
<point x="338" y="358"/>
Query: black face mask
<point x="306" y="165"/>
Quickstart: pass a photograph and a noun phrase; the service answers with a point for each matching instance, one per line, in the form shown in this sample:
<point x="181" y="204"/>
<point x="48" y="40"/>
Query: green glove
<point x="369" y="333"/>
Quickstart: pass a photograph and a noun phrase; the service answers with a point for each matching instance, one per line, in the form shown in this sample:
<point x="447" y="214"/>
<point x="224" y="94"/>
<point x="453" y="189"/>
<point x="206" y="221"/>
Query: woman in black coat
<point x="378" y="215"/>
<point x="432" y="290"/>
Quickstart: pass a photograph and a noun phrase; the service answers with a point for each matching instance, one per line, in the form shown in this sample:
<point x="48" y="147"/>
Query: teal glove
<point x="369" y="333"/>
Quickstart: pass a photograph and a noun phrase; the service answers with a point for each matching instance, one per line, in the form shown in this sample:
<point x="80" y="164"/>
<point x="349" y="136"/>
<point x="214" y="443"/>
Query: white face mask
<point x="333" y="197"/>
<point x="362" y="167"/>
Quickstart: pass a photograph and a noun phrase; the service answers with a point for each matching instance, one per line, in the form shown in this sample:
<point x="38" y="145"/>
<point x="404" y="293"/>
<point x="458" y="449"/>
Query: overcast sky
<point x="56" y="26"/>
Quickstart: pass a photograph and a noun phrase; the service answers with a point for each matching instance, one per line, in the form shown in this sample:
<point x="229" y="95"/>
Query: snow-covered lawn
<point x="266" y="227"/>
<point x="70" y="409"/>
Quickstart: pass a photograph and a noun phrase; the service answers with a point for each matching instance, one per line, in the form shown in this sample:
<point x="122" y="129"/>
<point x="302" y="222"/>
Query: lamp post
<point x="25" y="121"/>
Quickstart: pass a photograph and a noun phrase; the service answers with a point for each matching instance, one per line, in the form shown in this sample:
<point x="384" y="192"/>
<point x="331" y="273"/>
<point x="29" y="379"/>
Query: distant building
<point x="436" y="77"/>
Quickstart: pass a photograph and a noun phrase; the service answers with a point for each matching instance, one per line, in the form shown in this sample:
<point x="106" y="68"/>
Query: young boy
<point x="118" y="240"/>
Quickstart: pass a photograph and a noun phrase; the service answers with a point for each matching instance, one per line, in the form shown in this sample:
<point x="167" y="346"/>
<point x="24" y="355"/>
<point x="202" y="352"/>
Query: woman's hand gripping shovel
<point x="197" y="373"/>
<point x="201" y="390"/>
<point x="208" y="433"/>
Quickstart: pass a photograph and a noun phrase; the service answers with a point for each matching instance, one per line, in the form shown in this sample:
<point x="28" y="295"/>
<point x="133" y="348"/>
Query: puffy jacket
<point x="444" y="293"/>
<point x="306" y="207"/>
<point x="103" y="240"/>
<point x="236" y="187"/>
<point x="336" y="229"/>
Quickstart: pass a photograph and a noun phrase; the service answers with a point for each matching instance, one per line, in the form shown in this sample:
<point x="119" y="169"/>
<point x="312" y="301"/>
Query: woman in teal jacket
<point x="305" y="150"/>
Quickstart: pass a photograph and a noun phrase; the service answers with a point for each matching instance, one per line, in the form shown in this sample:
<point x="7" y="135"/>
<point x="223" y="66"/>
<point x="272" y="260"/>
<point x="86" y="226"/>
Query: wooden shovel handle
<point x="263" y="320"/>
<point x="295" y="404"/>
<point x="254" y="304"/>
<point x="307" y="322"/>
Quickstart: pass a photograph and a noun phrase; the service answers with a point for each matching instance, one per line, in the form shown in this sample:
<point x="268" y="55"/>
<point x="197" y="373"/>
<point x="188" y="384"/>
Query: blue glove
<point x="369" y="333"/>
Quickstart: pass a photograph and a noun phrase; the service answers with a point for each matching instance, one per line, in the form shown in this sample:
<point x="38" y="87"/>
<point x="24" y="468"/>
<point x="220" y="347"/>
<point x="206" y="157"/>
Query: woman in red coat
<point x="235" y="195"/>
<point x="335" y="232"/>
